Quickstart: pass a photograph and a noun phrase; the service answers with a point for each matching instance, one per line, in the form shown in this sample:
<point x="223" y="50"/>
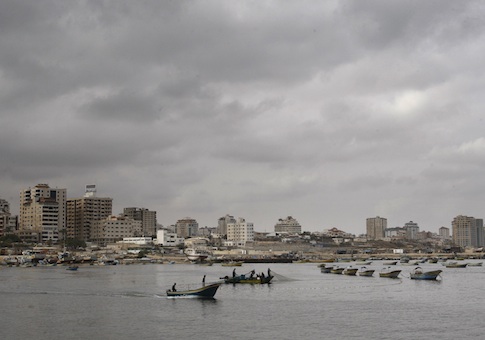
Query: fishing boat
<point x="204" y="292"/>
<point x="350" y="271"/>
<point x="390" y="263"/>
<point x="453" y="264"/>
<point x="232" y="264"/>
<point x="387" y="272"/>
<point x="251" y="277"/>
<point x="337" y="270"/>
<point x="419" y="274"/>
<point x="325" y="269"/>
<point x="363" y="263"/>
<point x="197" y="254"/>
<point x="474" y="264"/>
<point x="73" y="268"/>
<point x="363" y="271"/>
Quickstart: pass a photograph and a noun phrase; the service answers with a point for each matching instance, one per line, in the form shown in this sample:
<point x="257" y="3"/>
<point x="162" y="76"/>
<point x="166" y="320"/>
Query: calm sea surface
<point x="128" y="302"/>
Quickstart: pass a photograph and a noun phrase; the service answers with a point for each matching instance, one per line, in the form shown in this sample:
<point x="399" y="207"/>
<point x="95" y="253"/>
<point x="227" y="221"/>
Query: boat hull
<point x="206" y="292"/>
<point x="431" y="275"/>
<point x="336" y="270"/>
<point x="366" y="273"/>
<point x="391" y="275"/>
<point x="351" y="272"/>
<point x="248" y="280"/>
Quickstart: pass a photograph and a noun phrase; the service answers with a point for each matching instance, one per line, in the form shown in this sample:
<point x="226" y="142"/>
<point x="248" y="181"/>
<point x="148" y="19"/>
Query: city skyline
<point x="91" y="192"/>
<point x="194" y="109"/>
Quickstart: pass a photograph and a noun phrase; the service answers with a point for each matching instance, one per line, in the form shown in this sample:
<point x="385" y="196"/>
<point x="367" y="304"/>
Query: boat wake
<point x="281" y="278"/>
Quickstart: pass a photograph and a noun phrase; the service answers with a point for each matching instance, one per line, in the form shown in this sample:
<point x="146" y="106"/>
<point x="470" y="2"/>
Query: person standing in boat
<point x="203" y="281"/>
<point x="173" y="288"/>
<point x="234" y="272"/>
<point x="269" y="272"/>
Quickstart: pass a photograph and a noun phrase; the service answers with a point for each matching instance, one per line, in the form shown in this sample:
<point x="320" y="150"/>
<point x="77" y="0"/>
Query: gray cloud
<point x="330" y="112"/>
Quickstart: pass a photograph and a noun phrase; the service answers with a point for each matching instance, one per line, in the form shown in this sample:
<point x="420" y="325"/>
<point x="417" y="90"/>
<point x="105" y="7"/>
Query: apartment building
<point x="43" y="212"/>
<point x="148" y="219"/>
<point x="83" y="212"/>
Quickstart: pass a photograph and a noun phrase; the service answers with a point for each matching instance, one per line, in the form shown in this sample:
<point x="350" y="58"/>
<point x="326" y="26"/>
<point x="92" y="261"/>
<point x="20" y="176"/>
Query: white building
<point x="287" y="226"/>
<point x="137" y="240"/>
<point x="168" y="239"/>
<point x="43" y="211"/>
<point x="240" y="232"/>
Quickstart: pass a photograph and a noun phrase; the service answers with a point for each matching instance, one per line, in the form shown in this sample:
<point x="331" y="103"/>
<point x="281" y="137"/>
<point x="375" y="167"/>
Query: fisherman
<point x="252" y="274"/>
<point x="203" y="281"/>
<point x="234" y="272"/>
<point x="173" y="288"/>
<point x="269" y="272"/>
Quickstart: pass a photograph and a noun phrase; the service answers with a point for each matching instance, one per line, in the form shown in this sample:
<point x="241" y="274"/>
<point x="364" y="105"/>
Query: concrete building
<point x="83" y="212"/>
<point x="444" y="233"/>
<point x="467" y="231"/>
<point x="43" y="212"/>
<point x="412" y="230"/>
<point x="187" y="227"/>
<point x="287" y="226"/>
<point x="113" y="229"/>
<point x="395" y="233"/>
<point x="240" y="233"/>
<point x="147" y="217"/>
<point x="375" y="228"/>
<point x="222" y="223"/>
<point x="4" y="216"/>
<point x="167" y="238"/>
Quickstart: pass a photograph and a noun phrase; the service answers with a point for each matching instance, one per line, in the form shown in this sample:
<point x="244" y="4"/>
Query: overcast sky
<point x="328" y="111"/>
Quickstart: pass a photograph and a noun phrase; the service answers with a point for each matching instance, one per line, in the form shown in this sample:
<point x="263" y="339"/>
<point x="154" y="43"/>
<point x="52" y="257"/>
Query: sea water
<point x="129" y="302"/>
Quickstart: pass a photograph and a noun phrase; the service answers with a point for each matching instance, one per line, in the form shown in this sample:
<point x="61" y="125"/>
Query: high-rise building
<point x="412" y="230"/>
<point x="43" y="212"/>
<point x="187" y="227"/>
<point x="222" y="224"/>
<point x="287" y="226"/>
<point x="240" y="232"/>
<point x="376" y="227"/>
<point x="4" y="216"/>
<point x="148" y="219"/>
<point x="83" y="212"/>
<point x="467" y="231"/>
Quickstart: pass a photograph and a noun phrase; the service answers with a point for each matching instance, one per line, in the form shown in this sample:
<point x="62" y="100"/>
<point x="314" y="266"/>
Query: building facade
<point x="240" y="232"/>
<point x="222" y="224"/>
<point x="412" y="230"/>
<point x="4" y="216"/>
<point x="113" y="229"/>
<point x="444" y="233"/>
<point x="166" y="238"/>
<point x="43" y="213"/>
<point x="83" y="212"/>
<point x="287" y="226"/>
<point x="467" y="231"/>
<point x="148" y="219"/>
<point x="187" y="227"/>
<point x="376" y="227"/>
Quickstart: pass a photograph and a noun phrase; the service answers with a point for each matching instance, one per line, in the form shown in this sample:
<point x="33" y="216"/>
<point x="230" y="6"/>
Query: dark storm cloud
<point x="223" y="107"/>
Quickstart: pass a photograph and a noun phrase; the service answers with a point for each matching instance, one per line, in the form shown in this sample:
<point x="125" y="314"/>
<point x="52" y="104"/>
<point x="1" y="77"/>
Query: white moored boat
<point x="195" y="254"/>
